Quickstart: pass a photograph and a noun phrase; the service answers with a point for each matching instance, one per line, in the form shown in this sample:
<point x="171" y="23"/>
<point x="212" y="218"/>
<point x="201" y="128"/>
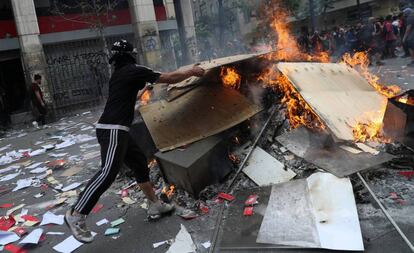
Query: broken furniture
<point x="196" y="166"/>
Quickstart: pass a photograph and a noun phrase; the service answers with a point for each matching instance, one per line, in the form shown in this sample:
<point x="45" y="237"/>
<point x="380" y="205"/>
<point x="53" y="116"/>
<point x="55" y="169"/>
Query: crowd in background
<point x="381" y="37"/>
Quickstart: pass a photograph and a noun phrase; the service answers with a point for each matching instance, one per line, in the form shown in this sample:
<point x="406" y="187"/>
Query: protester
<point x="117" y="146"/>
<point x="402" y="25"/>
<point x="408" y="39"/>
<point x="38" y="102"/>
<point x="390" y="37"/>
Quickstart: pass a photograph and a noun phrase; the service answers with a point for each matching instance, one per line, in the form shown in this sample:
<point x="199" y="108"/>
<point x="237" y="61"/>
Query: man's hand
<point x="180" y="75"/>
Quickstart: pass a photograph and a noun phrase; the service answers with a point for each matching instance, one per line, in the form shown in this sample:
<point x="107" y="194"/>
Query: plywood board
<point x="319" y="212"/>
<point x="338" y="94"/>
<point x="264" y="169"/>
<point x="204" y="111"/>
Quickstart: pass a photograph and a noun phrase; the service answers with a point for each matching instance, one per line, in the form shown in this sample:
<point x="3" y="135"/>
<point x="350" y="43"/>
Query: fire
<point x="369" y="127"/>
<point x="406" y="100"/>
<point x="145" y="97"/>
<point x="234" y="158"/>
<point x="298" y="111"/>
<point x="168" y="193"/>
<point x="152" y="163"/>
<point x="360" y="61"/>
<point x="230" y="77"/>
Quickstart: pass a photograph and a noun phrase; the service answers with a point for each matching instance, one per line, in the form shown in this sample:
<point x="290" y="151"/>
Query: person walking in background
<point x="38" y="102"/>
<point x="408" y="39"/>
<point x="390" y="37"/>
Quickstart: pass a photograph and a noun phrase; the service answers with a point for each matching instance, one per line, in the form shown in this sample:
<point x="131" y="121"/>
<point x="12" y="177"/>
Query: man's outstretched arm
<point x="180" y="75"/>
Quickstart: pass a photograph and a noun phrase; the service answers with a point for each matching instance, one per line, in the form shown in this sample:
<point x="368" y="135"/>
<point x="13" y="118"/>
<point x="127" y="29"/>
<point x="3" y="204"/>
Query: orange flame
<point x="298" y="111"/>
<point x="152" y="163"/>
<point x="230" y="77"/>
<point x="406" y="100"/>
<point x="145" y="97"/>
<point x="168" y="193"/>
<point x="360" y="61"/>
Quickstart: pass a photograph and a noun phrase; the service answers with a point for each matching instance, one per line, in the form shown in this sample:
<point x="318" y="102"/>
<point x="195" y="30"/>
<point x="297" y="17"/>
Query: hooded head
<point x="123" y="53"/>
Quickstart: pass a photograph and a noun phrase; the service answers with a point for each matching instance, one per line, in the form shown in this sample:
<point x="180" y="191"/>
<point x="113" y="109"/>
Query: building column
<point x="32" y="53"/>
<point x="146" y="32"/>
<point x="186" y="27"/>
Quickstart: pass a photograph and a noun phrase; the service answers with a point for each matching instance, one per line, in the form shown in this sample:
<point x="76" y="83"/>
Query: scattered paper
<point x="55" y="233"/>
<point x="71" y="171"/>
<point x="9" y="177"/>
<point x="5" y="147"/>
<point x="33" y="166"/>
<point x="8" y="237"/>
<point x="101" y="222"/>
<point x="87" y="128"/>
<point x="37" y="152"/>
<point x="112" y="231"/>
<point x="206" y="245"/>
<point x="69" y="245"/>
<point x="157" y="244"/>
<point x="58" y="155"/>
<point x="23" y="183"/>
<point x="117" y="222"/>
<point x="182" y="243"/>
<point x="10" y="211"/>
<point x="71" y="187"/>
<point x="51" y="218"/>
<point x="10" y="168"/>
<point x="39" y="170"/>
<point x="128" y="200"/>
<point x="33" y="237"/>
<point x="48" y="147"/>
<point x="65" y="144"/>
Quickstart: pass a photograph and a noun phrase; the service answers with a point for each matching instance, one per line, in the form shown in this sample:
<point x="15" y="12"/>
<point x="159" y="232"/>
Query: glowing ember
<point x="168" y="193"/>
<point x="145" y="97"/>
<point x="360" y="62"/>
<point x="406" y="100"/>
<point x="152" y="163"/>
<point x="230" y="77"/>
<point x="234" y="158"/>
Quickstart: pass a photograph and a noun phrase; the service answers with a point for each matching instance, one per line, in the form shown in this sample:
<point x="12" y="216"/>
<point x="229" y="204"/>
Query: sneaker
<point x="159" y="208"/>
<point x="78" y="227"/>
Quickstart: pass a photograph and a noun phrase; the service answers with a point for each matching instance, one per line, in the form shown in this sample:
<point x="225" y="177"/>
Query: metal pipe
<point x="251" y="149"/>
<point x="403" y="236"/>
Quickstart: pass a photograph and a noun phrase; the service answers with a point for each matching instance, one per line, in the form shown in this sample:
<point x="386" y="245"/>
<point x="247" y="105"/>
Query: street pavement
<point x="138" y="234"/>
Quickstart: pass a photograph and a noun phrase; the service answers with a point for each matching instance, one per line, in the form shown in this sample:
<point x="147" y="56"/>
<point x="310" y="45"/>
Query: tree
<point x="95" y="13"/>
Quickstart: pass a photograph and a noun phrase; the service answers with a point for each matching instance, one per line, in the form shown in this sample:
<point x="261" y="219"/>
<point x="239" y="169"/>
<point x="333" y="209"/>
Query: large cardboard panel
<point x="338" y="94"/>
<point x="204" y="111"/>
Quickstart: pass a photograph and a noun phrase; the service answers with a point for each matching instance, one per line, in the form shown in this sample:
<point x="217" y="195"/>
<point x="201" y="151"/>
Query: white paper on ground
<point x="56" y="155"/>
<point x="322" y="206"/>
<point x="71" y="187"/>
<point x="5" y="147"/>
<point x="37" y="152"/>
<point x="101" y="222"/>
<point x="65" y="144"/>
<point x="9" y="177"/>
<point x="8" y="237"/>
<point x="157" y="244"/>
<point x="49" y="146"/>
<point x="264" y="169"/>
<point x="55" y="233"/>
<point x="87" y="128"/>
<point x="69" y="245"/>
<point x="39" y="170"/>
<point x="206" y="245"/>
<point x="23" y="183"/>
<point x="182" y="243"/>
<point x="51" y="218"/>
<point x="33" y="166"/>
<point x="33" y="237"/>
<point x="10" y="211"/>
<point x="9" y="168"/>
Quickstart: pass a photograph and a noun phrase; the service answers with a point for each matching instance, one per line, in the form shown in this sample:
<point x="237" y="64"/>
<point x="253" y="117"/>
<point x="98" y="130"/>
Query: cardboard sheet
<point x="204" y="111"/>
<point x="338" y="94"/>
<point x="320" y="149"/>
<point x="319" y="212"/>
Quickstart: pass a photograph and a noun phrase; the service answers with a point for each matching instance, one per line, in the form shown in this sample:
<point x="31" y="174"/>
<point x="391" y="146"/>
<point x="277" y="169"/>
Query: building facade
<point x="69" y="48"/>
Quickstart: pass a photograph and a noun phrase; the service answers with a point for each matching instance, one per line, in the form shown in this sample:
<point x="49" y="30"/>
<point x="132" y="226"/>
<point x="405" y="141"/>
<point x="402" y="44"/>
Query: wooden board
<point x="202" y="112"/>
<point x="338" y="94"/>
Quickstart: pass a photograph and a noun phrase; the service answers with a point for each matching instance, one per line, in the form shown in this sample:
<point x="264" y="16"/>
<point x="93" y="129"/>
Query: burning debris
<point x="230" y="77"/>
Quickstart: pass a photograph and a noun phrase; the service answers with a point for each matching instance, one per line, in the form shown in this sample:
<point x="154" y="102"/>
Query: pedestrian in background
<point x="38" y="102"/>
<point x="408" y="39"/>
<point x="390" y="37"/>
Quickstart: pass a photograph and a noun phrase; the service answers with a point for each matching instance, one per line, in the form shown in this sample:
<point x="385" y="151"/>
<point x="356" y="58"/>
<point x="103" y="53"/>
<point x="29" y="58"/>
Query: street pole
<point x="312" y="15"/>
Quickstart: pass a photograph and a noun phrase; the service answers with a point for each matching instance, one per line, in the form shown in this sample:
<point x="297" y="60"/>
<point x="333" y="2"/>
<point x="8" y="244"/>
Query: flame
<point x="360" y="61"/>
<point x="230" y="78"/>
<point x="234" y="158"/>
<point x="369" y="127"/>
<point x="152" y="163"/>
<point x="406" y="100"/>
<point x="145" y="97"/>
<point x="168" y="193"/>
<point x="298" y="111"/>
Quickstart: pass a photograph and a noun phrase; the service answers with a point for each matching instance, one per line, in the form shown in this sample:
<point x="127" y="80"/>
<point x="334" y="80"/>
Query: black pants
<point x="117" y="147"/>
